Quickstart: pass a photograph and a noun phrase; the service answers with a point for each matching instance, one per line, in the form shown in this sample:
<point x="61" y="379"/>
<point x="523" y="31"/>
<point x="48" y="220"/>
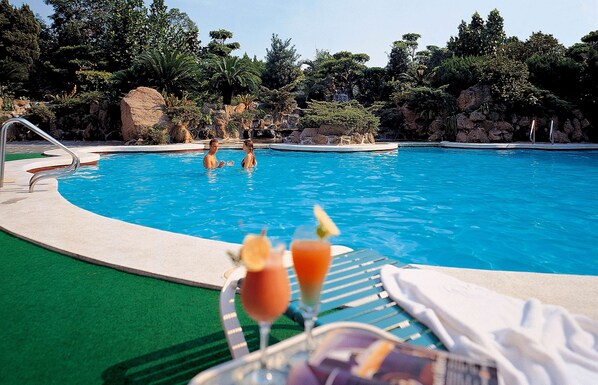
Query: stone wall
<point x="477" y="121"/>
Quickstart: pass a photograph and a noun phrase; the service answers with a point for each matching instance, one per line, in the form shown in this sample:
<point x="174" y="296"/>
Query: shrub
<point x="94" y="80"/>
<point x="42" y="116"/>
<point x="459" y="73"/>
<point x="156" y="135"/>
<point x="427" y="101"/>
<point x="508" y="80"/>
<point x="352" y="115"/>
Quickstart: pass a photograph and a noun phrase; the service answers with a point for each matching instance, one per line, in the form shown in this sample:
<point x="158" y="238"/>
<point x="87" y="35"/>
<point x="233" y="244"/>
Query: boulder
<point x="332" y="129"/>
<point x="141" y="109"/>
<point x="356" y="138"/>
<point x="560" y="137"/>
<point x="568" y="127"/>
<point x="477" y="135"/>
<point x="505" y="126"/>
<point x="461" y="137"/>
<point x="308" y="132"/>
<point x="220" y="119"/>
<point x="495" y="135"/>
<point x="179" y="133"/>
<point x="295" y="137"/>
<point x="320" y="139"/>
<point x="472" y="98"/>
<point x="477" y="116"/>
<point x="463" y="122"/>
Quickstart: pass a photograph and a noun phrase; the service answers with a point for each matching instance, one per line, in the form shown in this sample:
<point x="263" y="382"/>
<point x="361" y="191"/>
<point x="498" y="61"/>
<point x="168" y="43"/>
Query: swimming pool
<point x="503" y="210"/>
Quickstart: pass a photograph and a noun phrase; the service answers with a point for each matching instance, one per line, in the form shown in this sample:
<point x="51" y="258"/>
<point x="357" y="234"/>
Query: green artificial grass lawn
<point x="22" y="156"/>
<point x="65" y="321"/>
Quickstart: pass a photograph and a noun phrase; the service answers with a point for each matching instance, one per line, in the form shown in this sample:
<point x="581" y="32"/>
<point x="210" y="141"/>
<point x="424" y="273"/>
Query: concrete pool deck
<point x="44" y="217"/>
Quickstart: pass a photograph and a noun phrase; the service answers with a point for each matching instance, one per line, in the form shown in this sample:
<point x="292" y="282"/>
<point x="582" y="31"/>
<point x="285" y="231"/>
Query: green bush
<point x="556" y="73"/>
<point x="42" y="116"/>
<point x="94" y="80"/>
<point x="508" y="80"/>
<point x="459" y="73"/>
<point x="428" y="102"/>
<point x="352" y="115"/>
<point x="156" y="135"/>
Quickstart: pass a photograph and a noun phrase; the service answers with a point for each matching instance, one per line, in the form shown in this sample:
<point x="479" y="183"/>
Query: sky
<point x="371" y="26"/>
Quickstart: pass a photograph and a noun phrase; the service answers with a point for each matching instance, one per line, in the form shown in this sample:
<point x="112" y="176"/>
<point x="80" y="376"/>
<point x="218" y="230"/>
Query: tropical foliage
<point x="230" y="75"/>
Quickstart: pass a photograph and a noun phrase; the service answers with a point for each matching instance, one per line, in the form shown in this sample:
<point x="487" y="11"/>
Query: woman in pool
<point x="249" y="161"/>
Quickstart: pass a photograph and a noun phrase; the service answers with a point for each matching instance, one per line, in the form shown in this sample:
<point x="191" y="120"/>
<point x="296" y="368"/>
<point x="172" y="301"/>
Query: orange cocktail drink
<point x="265" y="294"/>
<point x="311" y="260"/>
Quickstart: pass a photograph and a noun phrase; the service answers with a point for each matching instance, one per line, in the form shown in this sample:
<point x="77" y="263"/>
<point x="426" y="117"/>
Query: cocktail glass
<point x="311" y="260"/>
<point x="265" y="295"/>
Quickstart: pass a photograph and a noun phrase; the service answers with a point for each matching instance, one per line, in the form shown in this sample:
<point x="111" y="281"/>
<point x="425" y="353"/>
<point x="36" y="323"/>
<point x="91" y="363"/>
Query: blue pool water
<point x="501" y="210"/>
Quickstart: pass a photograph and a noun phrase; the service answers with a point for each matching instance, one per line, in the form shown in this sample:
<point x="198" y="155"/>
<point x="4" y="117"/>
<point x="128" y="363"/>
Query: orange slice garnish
<point x="326" y="228"/>
<point x="255" y="252"/>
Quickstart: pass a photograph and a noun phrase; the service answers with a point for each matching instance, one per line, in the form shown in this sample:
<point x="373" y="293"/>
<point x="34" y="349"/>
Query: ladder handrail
<point x="40" y="174"/>
<point x="532" y="132"/>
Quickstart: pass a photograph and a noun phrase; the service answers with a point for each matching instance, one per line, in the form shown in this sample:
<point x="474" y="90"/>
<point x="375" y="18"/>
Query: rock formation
<point x="141" y="109"/>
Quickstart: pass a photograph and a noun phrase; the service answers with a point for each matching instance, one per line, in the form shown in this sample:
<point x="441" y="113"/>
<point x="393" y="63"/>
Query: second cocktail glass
<point x="311" y="260"/>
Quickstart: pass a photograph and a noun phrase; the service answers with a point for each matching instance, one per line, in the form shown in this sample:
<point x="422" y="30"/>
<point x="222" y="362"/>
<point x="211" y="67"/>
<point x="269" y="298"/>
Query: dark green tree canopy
<point x="398" y="59"/>
<point x="218" y="45"/>
<point x="19" y="35"/>
<point x="281" y="66"/>
<point x="478" y="37"/>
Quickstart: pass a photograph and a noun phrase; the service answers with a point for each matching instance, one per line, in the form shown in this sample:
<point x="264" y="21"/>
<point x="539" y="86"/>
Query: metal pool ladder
<point x="43" y="174"/>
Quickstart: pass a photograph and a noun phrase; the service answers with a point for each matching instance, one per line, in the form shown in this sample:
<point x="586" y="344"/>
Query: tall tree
<point x="182" y="33"/>
<point x="281" y="64"/>
<point x="218" y="45"/>
<point x="19" y="45"/>
<point x="398" y="59"/>
<point x="126" y="33"/>
<point x="410" y="40"/>
<point x="478" y="37"/>
<point x="494" y="33"/>
<point x="344" y="69"/>
<point x="157" y="23"/>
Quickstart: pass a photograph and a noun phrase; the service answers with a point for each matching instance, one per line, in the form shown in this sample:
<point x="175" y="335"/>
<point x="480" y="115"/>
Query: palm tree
<point x="230" y="75"/>
<point x="166" y="70"/>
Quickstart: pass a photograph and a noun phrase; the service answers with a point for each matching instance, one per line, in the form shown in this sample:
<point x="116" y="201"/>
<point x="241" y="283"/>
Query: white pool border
<point x="44" y="217"/>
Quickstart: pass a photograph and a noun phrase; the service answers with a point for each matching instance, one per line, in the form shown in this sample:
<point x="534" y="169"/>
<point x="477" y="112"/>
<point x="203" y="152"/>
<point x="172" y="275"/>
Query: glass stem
<point x="264" y="334"/>
<point x="309" y="339"/>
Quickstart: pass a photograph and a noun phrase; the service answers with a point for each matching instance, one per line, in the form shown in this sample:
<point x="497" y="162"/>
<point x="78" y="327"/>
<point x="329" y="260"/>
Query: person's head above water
<point x="214" y="145"/>
<point x="248" y="144"/>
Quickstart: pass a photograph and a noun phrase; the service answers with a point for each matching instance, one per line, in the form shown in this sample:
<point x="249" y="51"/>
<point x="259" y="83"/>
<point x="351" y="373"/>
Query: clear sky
<point x="370" y="26"/>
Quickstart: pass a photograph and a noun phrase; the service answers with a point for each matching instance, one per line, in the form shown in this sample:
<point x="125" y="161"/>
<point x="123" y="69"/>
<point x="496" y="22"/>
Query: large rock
<point x="472" y="98"/>
<point x="221" y="119"/>
<point x="141" y="109"/>
<point x="179" y="133"/>
<point x="332" y="129"/>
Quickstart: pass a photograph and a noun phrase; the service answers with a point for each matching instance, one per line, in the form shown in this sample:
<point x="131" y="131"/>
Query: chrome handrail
<point x="55" y="173"/>
<point x="532" y="132"/>
<point x="551" y="136"/>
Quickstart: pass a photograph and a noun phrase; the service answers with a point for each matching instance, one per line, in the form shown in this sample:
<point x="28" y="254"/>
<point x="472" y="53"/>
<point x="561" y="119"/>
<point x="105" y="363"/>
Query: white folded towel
<point x="532" y="343"/>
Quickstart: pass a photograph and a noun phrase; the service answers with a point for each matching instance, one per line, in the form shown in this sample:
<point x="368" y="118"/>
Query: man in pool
<point x="209" y="161"/>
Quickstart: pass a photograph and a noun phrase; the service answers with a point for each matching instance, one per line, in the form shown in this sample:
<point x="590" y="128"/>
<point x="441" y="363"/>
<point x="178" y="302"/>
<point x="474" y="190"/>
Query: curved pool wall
<point x="501" y="210"/>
